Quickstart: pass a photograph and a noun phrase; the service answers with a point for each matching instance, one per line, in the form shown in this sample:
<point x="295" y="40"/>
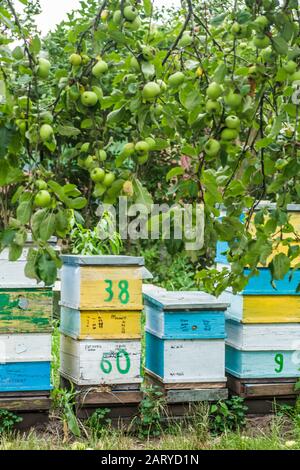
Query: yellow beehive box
<point x="102" y="283"/>
<point x="100" y="325"/>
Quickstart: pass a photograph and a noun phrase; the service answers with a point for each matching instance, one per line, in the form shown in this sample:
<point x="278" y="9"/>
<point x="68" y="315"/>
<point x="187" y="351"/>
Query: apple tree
<point x="208" y="91"/>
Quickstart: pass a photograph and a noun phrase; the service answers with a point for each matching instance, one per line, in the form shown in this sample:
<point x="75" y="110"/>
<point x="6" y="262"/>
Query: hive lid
<point x="107" y="260"/>
<point x="185" y="301"/>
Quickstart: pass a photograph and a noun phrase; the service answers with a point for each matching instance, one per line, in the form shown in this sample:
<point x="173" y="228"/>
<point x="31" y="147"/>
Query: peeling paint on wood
<point x="25" y="311"/>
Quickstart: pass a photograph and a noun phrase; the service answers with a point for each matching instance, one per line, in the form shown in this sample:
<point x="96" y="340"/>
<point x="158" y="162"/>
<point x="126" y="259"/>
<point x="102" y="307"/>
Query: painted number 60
<point x="106" y="365"/>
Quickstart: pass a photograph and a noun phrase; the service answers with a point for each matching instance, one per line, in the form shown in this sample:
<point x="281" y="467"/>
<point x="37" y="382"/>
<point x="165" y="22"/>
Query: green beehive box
<point x="25" y="310"/>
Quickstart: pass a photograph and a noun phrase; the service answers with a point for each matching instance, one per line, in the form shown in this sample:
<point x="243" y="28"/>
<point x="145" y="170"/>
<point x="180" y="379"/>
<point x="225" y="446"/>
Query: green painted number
<point x="105" y="365"/>
<point x="124" y="294"/>
<point x="279" y="361"/>
<point x="125" y="354"/>
<point x="109" y="291"/>
<point x="123" y="291"/>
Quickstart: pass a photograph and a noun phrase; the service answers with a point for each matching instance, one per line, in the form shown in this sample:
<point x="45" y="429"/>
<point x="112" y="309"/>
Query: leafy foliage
<point x="205" y="97"/>
<point x="8" y="421"/>
<point x="228" y="415"/>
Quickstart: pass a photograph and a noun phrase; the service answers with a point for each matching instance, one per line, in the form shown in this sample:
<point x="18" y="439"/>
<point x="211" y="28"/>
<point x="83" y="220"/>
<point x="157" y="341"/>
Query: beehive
<point x="185" y="342"/>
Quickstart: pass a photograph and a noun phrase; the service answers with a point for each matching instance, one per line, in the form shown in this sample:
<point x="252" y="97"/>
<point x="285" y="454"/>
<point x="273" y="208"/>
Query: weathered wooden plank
<point x="25" y="348"/>
<point x="189" y="396"/>
<point x="25" y="376"/>
<point x="25" y="311"/>
<point x="262" y="364"/>
<point x="263" y="308"/>
<point x="100" y="325"/>
<point x="25" y="403"/>
<point x="262" y="388"/>
<point x="92" y="398"/>
<point x="92" y="362"/>
<point x="185" y="360"/>
<point x="102" y="288"/>
<point x="203" y="324"/>
<point x="157" y="381"/>
<point x="263" y="337"/>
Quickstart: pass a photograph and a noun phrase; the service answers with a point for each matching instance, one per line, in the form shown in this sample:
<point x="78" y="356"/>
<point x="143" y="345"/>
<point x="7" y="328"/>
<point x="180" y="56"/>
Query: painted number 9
<point x="123" y="295"/>
<point x="280" y="362"/>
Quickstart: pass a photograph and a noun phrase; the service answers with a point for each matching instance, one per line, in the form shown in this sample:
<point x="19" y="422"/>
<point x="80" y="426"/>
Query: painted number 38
<point x="123" y="292"/>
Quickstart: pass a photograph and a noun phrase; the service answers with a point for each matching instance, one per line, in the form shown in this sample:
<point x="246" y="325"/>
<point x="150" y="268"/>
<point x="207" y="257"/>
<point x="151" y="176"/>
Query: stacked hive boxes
<point x="185" y="345"/>
<point x="101" y="298"/>
<point x="25" y="338"/>
<point x="263" y="333"/>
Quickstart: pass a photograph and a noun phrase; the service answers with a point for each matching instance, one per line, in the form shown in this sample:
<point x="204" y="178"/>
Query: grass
<point x="281" y="431"/>
<point x="270" y="434"/>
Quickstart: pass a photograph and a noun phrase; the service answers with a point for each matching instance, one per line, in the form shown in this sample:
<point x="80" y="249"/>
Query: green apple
<point x="43" y="69"/>
<point x="18" y="53"/>
<point x="233" y="100"/>
<point x="108" y="179"/>
<point x="142" y="159"/>
<point x="90" y="162"/>
<point x="100" y="189"/>
<point x="261" y="42"/>
<point x="213" y="106"/>
<point x="75" y="60"/>
<point x="98" y="91"/>
<point x="229" y="134"/>
<point x="41" y="184"/>
<point x="236" y="28"/>
<point x="267" y="54"/>
<point x="162" y="84"/>
<point x="128" y="149"/>
<point x="148" y="52"/>
<point x="97" y="175"/>
<point x="134" y="64"/>
<point x="46" y="132"/>
<point x="134" y="25"/>
<point x="89" y="99"/>
<point x="296" y="76"/>
<point x="85" y="147"/>
<point x="151" y="142"/>
<point x="186" y="40"/>
<point x="46" y="117"/>
<point x="212" y="147"/>
<point x="100" y="68"/>
<point x="214" y="91"/>
<point x="176" y="79"/>
<point x="85" y="59"/>
<point x="117" y="17"/>
<point x="261" y="22"/>
<point x="151" y="90"/>
<point x="142" y="147"/>
<point x="232" y="122"/>
<point x="290" y="66"/>
<point x="42" y="199"/>
<point x="102" y="155"/>
<point x="130" y="13"/>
